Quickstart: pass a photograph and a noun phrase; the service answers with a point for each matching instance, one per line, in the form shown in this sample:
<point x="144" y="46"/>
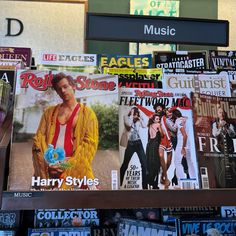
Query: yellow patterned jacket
<point x="85" y="142"/>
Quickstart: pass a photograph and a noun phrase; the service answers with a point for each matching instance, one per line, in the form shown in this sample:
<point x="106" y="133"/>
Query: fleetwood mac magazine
<point x="156" y="151"/>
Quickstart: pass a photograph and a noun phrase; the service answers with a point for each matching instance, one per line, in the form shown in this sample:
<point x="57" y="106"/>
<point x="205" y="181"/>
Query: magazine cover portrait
<point x="156" y="151"/>
<point x="215" y="138"/>
<point x="64" y="131"/>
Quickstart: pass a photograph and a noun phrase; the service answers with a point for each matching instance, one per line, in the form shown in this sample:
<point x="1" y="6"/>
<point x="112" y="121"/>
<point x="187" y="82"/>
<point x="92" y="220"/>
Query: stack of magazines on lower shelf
<point x="176" y="221"/>
<point x="185" y="221"/>
<point x="121" y="138"/>
<point x="9" y="223"/>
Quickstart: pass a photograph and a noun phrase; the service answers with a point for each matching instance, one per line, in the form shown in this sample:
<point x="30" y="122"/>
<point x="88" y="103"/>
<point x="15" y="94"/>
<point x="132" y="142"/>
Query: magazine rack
<point x="103" y="199"/>
<point x="117" y="199"/>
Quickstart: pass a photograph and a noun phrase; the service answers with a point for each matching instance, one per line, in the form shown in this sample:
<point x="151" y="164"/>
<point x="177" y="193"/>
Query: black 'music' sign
<point x="132" y="28"/>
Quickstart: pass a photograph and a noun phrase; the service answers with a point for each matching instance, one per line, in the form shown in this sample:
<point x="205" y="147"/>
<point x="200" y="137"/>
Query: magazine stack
<point x="87" y="122"/>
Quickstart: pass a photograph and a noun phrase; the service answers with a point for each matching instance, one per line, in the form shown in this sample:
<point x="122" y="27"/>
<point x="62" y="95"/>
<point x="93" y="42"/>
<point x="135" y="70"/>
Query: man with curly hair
<point x="69" y="125"/>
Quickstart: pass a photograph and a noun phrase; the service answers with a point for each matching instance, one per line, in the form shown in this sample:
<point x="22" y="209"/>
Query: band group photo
<point x="160" y="137"/>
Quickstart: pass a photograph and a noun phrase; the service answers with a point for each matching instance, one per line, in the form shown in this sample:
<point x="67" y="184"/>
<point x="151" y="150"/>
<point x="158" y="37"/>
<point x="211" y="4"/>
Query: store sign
<point x="133" y="28"/>
<point x="9" y="27"/>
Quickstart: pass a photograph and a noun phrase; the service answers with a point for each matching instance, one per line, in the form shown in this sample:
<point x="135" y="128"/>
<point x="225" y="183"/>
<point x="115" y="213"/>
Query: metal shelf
<point x="117" y="199"/>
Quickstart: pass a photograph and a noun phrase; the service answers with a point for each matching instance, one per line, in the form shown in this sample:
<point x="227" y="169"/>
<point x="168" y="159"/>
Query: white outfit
<point x="179" y="123"/>
<point x="61" y="137"/>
